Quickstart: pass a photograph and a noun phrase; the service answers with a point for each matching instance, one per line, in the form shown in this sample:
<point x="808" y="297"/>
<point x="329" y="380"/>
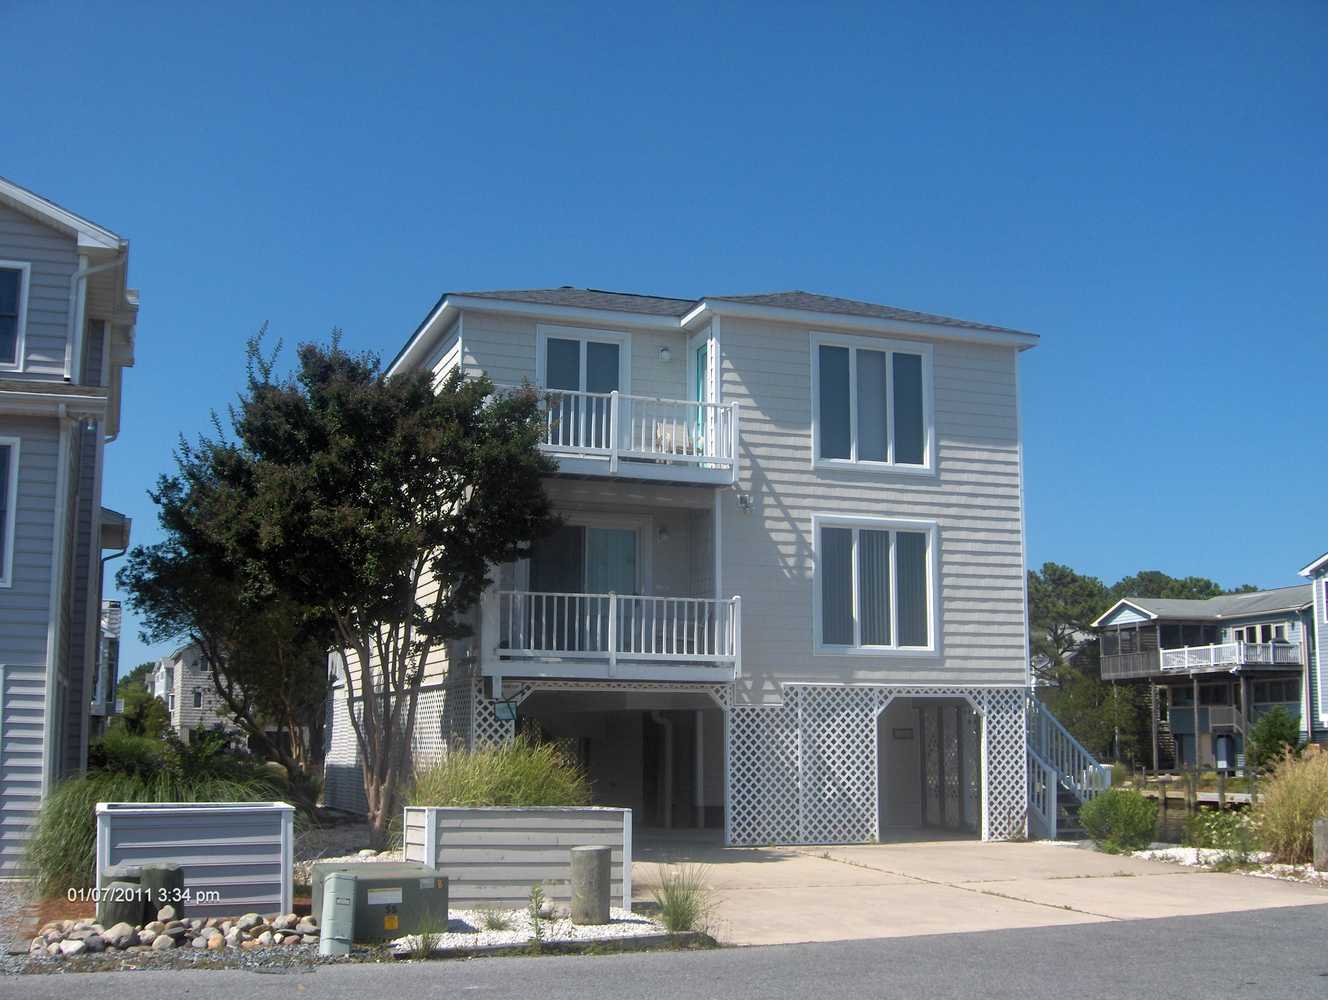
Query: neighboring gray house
<point x="1317" y="689"/>
<point x="183" y="680"/>
<point x="787" y="600"/>
<point x="1213" y="667"/>
<point x="66" y="334"/>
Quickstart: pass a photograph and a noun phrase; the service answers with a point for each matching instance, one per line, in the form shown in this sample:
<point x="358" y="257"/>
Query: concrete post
<point x="163" y="885"/>
<point x="1321" y="844"/>
<point x="590" y="885"/>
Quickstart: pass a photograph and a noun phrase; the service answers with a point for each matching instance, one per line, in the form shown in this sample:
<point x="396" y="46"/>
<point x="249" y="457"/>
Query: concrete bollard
<point x="163" y="885"/>
<point x="1320" y="855"/>
<point x="590" y="885"/>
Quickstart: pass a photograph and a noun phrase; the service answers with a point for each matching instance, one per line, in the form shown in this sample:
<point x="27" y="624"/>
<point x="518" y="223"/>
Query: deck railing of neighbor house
<point x="1078" y="769"/>
<point x="619" y="627"/>
<point x="620" y="427"/>
<point x="1231" y="654"/>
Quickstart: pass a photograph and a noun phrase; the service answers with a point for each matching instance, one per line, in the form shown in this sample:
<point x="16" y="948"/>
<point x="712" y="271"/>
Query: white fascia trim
<point x="1112" y="610"/>
<point x="38" y="403"/>
<point x="804" y="317"/>
<point x="25" y="279"/>
<point x="1310" y="570"/>
<point x="89" y="233"/>
<point x="7" y="528"/>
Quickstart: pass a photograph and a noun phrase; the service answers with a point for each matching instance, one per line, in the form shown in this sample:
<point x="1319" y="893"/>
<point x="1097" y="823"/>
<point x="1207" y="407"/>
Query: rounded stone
<point x="71" y="948"/>
<point x="217" y="943"/>
<point x="163" y="942"/>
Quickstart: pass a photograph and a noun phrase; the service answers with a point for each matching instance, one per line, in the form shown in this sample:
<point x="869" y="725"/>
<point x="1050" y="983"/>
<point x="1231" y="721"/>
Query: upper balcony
<point x="1230" y="656"/>
<point x="641" y="437"/>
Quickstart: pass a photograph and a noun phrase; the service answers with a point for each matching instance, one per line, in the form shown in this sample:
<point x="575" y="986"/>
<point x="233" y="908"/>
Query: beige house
<point x="787" y="599"/>
<point x="183" y="680"/>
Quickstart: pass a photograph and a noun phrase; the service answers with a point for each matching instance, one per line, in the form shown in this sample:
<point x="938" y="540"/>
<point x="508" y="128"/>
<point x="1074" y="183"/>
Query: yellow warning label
<point x="390" y="922"/>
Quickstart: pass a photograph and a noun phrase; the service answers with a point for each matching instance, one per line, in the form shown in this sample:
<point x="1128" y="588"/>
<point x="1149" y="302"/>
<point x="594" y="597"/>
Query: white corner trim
<point x="24" y="268"/>
<point x="819" y="339"/>
<point x="931" y="529"/>
<point x="60" y="525"/>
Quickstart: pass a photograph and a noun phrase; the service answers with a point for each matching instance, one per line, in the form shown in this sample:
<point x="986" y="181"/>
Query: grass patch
<point x="495" y="920"/>
<point x="1291" y="800"/>
<point x="683" y="898"/>
<point x="520" y="772"/>
<point x="427" y="937"/>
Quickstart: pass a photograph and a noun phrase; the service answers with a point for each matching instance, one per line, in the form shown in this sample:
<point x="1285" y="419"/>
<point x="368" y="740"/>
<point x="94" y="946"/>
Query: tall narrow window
<point x="8" y="495"/>
<point x="871" y="402"/>
<point x="586" y="368"/>
<point x="11" y="313"/>
<point x="198" y="698"/>
<point x="874" y="584"/>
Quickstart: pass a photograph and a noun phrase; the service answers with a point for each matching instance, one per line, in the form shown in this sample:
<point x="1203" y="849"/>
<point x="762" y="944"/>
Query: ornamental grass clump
<point x="1119" y="820"/>
<point x="1289" y="802"/>
<point x="519" y="772"/>
<point x="684" y="899"/>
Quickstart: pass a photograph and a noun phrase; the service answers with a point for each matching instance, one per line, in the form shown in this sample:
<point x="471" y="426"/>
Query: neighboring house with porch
<point x="1213" y="667"/>
<point x="67" y="321"/>
<point x="787" y="597"/>
<point x="1317" y="688"/>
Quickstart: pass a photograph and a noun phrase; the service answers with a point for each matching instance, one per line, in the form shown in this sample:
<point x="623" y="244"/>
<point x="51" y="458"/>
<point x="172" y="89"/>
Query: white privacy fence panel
<point x="493" y="856"/>
<point x="805" y="771"/>
<point x="236" y="856"/>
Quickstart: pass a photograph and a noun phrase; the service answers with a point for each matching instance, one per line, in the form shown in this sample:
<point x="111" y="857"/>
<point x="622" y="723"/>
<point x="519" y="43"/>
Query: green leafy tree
<point x="378" y="501"/>
<point x="139" y="675"/>
<point x="1155" y="583"/>
<point x="144" y="714"/>
<point x="1273" y="735"/>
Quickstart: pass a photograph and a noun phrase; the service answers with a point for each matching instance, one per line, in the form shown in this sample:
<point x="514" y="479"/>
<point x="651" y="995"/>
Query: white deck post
<point x="614" y="431"/>
<point x="613" y="633"/>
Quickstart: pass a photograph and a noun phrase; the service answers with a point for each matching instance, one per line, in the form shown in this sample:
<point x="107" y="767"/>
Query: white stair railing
<point x="1076" y="768"/>
<point x="1043" y="807"/>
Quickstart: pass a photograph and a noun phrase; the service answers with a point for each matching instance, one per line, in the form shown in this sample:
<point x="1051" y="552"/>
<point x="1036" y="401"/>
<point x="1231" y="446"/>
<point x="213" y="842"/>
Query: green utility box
<point x="391" y="899"/>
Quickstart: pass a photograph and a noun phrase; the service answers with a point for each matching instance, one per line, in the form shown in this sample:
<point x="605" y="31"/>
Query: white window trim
<point x="931" y="529"/>
<point x="1323" y="593"/>
<point x="25" y="277"/>
<point x="545" y="331"/>
<point x="8" y="533"/>
<point x="853" y="464"/>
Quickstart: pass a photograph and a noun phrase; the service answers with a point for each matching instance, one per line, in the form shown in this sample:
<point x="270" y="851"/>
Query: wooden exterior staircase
<point x="1062" y="776"/>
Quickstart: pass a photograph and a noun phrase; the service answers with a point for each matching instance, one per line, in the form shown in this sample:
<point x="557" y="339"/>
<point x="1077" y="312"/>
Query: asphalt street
<point x="1254" y="955"/>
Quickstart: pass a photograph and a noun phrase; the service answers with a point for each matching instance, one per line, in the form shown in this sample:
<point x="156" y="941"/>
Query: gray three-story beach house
<point x="787" y="599"/>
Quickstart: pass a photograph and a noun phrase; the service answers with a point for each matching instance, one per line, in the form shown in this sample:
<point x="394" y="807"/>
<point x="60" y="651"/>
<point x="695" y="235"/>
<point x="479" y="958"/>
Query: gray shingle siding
<point x="54" y="260"/>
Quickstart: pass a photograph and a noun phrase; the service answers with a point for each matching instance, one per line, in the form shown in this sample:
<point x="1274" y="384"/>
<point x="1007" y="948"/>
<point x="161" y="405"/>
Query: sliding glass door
<point x="571" y="573"/>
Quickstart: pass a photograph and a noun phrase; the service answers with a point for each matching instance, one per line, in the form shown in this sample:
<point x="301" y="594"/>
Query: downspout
<point x="60" y="526"/>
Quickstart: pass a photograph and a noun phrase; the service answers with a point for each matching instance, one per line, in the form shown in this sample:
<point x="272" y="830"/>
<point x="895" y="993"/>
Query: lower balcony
<point x="611" y="636"/>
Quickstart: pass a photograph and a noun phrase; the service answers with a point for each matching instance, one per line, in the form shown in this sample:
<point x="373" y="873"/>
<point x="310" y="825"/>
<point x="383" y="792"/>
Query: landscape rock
<point x="120" y="935"/>
<point x="94" y="943"/>
<point x="163" y="942"/>
<point x="71" y="948"/>
<point x="53" y="949"/>
<point x="306" y="926"/>
<point x="155" y="926"/>
<point x="264" y="939"/>
<point x="199" y="942"/>
<point x="217" y="943"/>
<point x="368" y="852"/>
<point x="167" y="913"/>
<point x="310" y="939"/>
<point x="146" y="936"/>
<point x="249" y="920"/>
<point x="250" y="945"/>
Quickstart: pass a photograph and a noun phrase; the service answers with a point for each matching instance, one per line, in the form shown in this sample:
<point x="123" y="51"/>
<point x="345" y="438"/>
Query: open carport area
<point x="785" y="895"/>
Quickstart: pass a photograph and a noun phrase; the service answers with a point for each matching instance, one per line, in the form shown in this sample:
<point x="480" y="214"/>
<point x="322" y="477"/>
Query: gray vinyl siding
<point x="1319" y="661"/>
<point x="768" y="555"/>
<point x="54" y="259"/>
<point x="82" y="611"/>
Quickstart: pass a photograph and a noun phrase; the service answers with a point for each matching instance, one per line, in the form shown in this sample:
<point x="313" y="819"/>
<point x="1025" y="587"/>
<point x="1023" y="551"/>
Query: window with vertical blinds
<point x="873" y="585"/>
<point x="871" y="403"/>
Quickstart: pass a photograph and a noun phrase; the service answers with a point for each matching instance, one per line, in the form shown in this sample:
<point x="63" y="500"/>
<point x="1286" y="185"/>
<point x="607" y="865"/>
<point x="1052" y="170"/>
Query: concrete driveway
<point x="786" y="895"/>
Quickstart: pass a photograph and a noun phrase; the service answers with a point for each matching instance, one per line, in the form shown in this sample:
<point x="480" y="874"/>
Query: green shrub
<point x="1222" y="830"/>
<point x="1289" y="802"/>
<point x="1119" y="820"/>
<point x="1273" y="735"/>
<point x="61" y="851"/>
<point x="123" y="752"/>
<point x="520" y="772"/>
<point x="683" y="898"/>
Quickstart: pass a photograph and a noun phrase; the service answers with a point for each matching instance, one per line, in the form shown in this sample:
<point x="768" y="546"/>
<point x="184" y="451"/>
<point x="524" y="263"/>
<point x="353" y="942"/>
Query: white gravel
<point x="1260" y="863"/>
<point x="466" y="930"/>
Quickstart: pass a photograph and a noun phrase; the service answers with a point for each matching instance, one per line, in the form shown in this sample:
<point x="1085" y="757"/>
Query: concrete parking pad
<point x="785" y="895"/>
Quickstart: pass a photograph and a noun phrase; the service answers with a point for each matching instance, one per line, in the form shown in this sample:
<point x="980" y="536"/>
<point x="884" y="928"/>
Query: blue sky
<point x="1142" y="184"/>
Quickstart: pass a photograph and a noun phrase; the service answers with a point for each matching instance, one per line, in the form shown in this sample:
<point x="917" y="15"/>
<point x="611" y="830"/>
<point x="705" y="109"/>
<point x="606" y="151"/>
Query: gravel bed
<point x="466" y="930"/>
<point x="260" y="959"/>
<point x="1260" y="864"/>
<point x="304" y="869"/>
<point x="13" y="897"/>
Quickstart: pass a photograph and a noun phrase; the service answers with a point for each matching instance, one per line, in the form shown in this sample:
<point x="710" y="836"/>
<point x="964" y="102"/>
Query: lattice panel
<point x="838" y="731"/>
<point x="486" y="728"/>
<point x="805" y="771"/>
<point x="763" y="784"/>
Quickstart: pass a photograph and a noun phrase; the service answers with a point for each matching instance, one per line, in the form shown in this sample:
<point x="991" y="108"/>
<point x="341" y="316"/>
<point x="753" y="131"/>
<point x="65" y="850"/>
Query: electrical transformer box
<point x="391" y="899"/>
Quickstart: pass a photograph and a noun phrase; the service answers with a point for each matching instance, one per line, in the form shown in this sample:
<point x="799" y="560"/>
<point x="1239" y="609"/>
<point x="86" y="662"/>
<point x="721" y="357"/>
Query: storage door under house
<point x="951" y="766"/>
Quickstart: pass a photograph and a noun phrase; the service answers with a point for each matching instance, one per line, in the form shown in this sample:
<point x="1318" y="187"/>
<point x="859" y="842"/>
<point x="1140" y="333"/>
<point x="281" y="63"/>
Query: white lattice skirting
<point x="805" y="771"/>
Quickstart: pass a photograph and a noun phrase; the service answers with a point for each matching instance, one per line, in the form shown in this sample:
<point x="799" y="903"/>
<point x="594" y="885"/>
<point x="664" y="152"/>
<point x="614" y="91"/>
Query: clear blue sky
<point x="1143" y="184"/>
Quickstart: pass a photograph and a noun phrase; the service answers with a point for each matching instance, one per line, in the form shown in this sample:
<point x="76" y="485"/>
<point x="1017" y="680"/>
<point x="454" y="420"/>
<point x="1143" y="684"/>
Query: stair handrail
<point x="1042" y="794"/>
<point x="1077" y="768"/>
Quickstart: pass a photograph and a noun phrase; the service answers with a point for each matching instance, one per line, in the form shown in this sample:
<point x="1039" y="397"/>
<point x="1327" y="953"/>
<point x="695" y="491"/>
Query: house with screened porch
<point x="786" y="602"/>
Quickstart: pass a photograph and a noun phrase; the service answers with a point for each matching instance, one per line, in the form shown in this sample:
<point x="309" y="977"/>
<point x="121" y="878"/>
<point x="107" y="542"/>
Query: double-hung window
<point x="8" y="507"/>
<point x="13" y="309"/>
<point x="871" y="403"/>
<point x="874" y="585"/>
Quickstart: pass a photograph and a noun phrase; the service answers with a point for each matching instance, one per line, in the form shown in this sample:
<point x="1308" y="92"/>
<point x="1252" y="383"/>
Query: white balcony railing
<point x="1225" y="655"/>
<point x="624" y="428"/>
<point x="616" y="628"/>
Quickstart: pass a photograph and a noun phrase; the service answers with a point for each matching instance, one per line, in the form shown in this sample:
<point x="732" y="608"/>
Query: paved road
<point x="1258" y="955"/>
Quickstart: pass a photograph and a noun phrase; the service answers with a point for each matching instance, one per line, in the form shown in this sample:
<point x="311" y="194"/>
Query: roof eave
<point x="1097" y="622"/>
<point x="89" y="235"/>
<point x="842" y="321"/>
<point x="1314" y="567"/>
